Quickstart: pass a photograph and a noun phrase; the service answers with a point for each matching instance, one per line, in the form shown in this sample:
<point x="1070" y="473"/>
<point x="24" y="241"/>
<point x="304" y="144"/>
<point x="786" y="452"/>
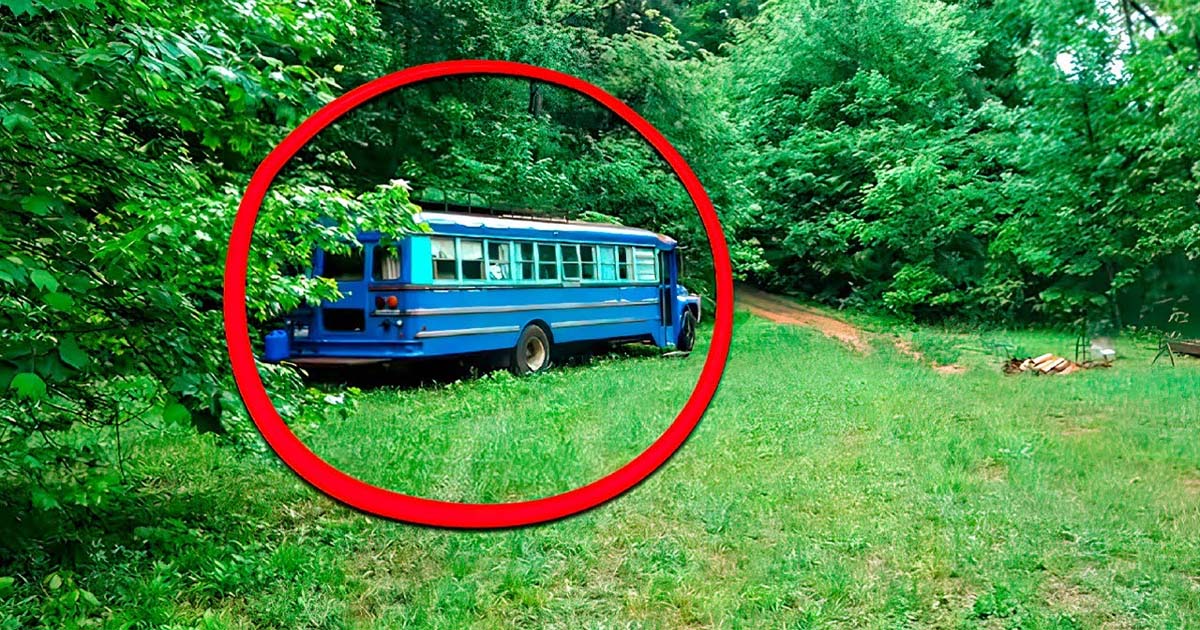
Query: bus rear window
<point x="386" y="264"/>
<point x="343" y="267"/>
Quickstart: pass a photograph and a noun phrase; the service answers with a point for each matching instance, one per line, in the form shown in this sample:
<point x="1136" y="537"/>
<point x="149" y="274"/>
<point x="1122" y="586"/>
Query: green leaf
<point x="176" y="413"/>
<point x="211" y="139"/>
<point x="7" y="585"/>
<point x="39" y="205"/>
<point x="16" y="121"/>
<point x="72" y="354"/>
<point x="54" y="580"/>
<point x="89" y="597"/>
<point x="224" y="73"/>
<point x="43" y="280"/>
<point x="18" y="6"/>
<point x="27" y="78"/>
<point x="43" y="500"/>
<point x="59" y="301"/>
<point x="29" y="385"/>
<point x="11" y="272"/>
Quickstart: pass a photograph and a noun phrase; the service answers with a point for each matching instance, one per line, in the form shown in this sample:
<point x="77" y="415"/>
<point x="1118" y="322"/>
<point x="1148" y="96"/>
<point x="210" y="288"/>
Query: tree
<point x="129" y="130"/>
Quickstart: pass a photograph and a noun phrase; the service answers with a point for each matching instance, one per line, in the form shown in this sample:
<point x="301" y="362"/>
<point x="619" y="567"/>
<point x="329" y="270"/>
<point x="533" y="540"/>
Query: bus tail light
<point x="386" y="302"/>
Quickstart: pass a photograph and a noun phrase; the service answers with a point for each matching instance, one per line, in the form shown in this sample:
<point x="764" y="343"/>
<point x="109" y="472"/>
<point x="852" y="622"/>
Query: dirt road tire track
<point x="782" y="310"/>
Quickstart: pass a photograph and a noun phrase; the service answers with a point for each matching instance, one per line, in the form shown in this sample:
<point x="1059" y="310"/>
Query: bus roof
<point x="518" y="227"/>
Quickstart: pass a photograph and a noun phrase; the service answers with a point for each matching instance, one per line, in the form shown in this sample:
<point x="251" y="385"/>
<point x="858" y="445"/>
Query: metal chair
<point x="1172" y="335"/>
<point x="997" y="348"/>
<point x="1090" y="342"/>
<point x="1164" y="347"/>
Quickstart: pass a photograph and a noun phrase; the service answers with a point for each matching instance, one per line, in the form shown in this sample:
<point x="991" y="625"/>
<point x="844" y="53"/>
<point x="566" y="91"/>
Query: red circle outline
<point x="398" y="506"/>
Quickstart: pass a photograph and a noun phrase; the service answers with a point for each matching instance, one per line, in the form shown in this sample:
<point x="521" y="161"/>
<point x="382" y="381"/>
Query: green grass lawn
<point x="822" y="488"/>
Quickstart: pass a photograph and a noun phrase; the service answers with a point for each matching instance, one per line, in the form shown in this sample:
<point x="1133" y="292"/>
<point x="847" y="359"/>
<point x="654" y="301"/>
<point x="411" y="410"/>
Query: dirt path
<point x="785" y="311"/>
<point x="780" y="309"/>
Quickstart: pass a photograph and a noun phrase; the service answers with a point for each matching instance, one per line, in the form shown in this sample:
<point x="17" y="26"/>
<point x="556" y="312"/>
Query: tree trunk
<point x="1114" y="304"/>
<point x="535" y="99"/>
<point x="1129" y="25"/>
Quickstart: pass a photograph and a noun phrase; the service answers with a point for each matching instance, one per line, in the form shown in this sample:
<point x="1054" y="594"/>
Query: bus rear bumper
<point x="344" y="351"/>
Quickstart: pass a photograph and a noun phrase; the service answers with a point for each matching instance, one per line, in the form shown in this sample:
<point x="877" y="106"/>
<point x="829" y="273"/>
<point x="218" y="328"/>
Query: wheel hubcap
<point x="535" y="354"/>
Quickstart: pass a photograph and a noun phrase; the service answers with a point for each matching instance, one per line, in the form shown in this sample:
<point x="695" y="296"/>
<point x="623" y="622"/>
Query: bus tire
<point x="687" y="332"/>
<point x="532" y="353"/>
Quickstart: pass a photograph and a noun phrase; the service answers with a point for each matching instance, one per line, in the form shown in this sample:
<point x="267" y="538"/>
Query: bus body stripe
<point x="472" y="310"/>
<point x="601" y="322"/>
<point x="488" y="330"/>
<point x="445" y="286"/>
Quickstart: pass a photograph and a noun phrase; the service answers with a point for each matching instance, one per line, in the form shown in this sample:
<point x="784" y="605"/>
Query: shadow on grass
<point x="135" y="517"/>
<point x="415" y="374"/>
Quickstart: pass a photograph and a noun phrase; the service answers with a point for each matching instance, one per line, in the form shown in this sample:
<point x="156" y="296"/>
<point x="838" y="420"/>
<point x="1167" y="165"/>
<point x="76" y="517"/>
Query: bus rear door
<point x="347" y="315"/>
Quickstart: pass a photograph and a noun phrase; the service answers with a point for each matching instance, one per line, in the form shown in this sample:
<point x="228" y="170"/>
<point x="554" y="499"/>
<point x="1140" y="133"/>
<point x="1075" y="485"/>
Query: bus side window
<point x="444" y="265"/>
<point x="525" y="262"/>
<point x="646" y="264"/>
<point x="608" y="262"/>
<point x="587" y="258"/>
<point x="570" y="257"/>
<point x="386" y="263"/>
<point x="624" y="264"/>
<point x="499" y="266"/>
<point x="471" y="252"/>
<point x="547" y="261"/>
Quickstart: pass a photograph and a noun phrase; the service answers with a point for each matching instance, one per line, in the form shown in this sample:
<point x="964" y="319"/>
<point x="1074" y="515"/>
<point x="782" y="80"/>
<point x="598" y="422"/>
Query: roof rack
<point x="464" y="201"/>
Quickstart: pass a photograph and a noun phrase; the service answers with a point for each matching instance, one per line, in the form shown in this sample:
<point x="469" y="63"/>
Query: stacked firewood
<point x="1045" y="364"/>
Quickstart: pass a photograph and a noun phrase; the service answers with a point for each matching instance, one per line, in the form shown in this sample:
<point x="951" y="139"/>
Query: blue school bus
<point x="511" y="287"/>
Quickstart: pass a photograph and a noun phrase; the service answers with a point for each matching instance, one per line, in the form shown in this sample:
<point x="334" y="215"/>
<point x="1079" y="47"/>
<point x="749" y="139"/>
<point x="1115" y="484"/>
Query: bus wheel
<point x="687" y="332"/>
<point x="532" y="353"/>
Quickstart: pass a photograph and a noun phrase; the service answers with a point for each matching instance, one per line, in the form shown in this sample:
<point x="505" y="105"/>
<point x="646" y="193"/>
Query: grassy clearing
<point x="502" y="438"/>
<point x="823" y="488"/>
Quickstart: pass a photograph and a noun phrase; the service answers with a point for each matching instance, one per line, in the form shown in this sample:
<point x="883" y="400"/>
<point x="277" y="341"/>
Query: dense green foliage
<point x="978" y="159"/>
<point x="986" y="160"/>
<point x="128" y="133"/>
